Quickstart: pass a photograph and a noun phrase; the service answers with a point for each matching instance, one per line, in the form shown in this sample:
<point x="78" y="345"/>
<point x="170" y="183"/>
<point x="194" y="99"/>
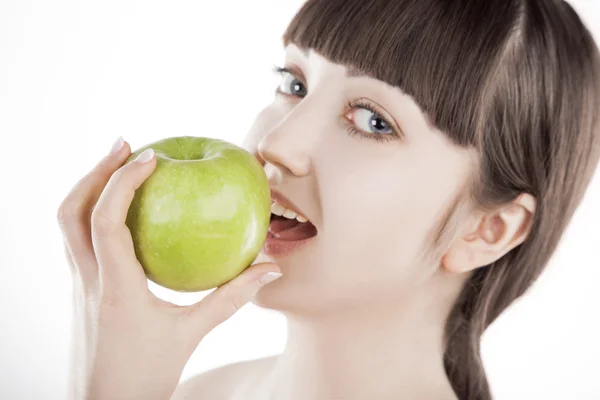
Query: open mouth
<point x="290" y="229"/>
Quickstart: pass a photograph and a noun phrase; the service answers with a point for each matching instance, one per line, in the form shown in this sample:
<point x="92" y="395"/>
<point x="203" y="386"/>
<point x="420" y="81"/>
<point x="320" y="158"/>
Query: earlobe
<point x="457" y="260"/>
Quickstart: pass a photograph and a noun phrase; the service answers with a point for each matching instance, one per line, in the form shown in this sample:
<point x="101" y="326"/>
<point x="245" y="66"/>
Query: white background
<point x="74" y="75"/>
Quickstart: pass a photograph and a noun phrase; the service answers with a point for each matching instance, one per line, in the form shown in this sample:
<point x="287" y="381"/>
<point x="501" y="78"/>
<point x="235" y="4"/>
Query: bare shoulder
<point x="223" y="382"/>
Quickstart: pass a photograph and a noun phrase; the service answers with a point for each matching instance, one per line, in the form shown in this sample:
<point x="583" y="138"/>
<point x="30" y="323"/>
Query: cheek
<point x="381" y="206"/>
<point x="387" y="201"/>
<point x="374" y="225"/>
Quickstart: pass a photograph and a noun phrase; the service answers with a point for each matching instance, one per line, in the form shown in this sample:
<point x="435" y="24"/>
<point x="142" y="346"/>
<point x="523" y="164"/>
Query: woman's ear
<point x="491" y="236"/>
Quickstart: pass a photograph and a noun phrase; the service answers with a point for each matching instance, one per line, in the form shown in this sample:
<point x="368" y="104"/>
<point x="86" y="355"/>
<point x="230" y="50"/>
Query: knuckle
<point x="109" y="301"/>
<point x="230" y="300"/>
<point x="236" y="302"/>
<point x="119" y="175"/>
<point x="109" y="297"/>
<point x="67" y="212"/>
<point x="101" y="224"/>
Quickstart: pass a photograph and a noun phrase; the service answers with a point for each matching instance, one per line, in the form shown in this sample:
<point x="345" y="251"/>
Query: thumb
<point x="228" y="298"/>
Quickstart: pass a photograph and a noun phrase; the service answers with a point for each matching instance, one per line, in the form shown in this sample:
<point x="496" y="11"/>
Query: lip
<point x="278" y="247"/>
<point x="287" y="203"/>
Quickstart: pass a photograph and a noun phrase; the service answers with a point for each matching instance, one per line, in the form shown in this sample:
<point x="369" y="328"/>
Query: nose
<point x="287" y="145"/>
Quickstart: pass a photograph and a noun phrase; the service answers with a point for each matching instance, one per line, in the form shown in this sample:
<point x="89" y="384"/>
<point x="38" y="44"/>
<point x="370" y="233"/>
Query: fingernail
<point x="145" y="156"/>
<point x="117" y="145"/>
<point x="269" y="277"/>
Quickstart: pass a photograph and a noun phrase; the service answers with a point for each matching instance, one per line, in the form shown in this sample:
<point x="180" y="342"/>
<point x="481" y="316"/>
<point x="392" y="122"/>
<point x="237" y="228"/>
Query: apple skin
<point x="202" y="216"/>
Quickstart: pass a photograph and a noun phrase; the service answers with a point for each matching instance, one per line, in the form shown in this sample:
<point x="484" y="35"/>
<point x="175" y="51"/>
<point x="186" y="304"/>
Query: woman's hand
<point x="128" y="344"/>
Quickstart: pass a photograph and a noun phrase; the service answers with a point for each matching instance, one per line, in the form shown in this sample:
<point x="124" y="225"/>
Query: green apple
<point x="202" y="216"/>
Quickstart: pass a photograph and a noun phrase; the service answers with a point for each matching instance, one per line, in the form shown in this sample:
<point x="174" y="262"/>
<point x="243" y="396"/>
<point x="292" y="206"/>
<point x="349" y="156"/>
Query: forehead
<point x="349" y="71"/>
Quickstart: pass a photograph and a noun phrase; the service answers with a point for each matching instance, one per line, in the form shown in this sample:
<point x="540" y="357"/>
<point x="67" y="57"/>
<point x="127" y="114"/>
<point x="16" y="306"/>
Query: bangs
<point x="441" y="53"/>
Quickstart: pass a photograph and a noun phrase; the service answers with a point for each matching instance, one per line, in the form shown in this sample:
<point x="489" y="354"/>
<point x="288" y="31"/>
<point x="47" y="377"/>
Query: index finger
<point x="119" y="268"/>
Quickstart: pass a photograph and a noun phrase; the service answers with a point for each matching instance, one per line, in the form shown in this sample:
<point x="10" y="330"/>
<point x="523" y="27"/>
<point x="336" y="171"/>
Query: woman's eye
<point x="291" y="85"/>
<point x="366" y="120"/>
<point x="370" y="122"/>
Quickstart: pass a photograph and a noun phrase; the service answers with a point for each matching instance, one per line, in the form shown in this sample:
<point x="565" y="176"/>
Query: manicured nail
<point x="117" y="145"/>
<point x="269" y="277"/>
<point x="145" y="156"/>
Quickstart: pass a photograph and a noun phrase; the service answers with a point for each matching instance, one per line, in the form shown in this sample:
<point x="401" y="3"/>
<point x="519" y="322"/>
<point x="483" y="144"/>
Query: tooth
<point x="300" y="218"/>
<point x="277" y="209"/>
<point x="289" y="214"/>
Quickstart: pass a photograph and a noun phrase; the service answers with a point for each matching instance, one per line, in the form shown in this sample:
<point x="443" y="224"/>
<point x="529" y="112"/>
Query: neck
<point x="375" y="351"/>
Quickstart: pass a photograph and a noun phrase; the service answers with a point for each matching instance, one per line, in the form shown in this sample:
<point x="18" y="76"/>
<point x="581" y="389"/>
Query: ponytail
<point x="462" y="359"/>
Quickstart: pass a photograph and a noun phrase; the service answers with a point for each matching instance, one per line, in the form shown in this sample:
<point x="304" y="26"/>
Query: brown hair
<point x="516" y="80"/>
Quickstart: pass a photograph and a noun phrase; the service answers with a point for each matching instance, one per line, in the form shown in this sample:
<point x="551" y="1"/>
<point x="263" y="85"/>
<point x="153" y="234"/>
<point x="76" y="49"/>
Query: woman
<point x="438" y="151"/>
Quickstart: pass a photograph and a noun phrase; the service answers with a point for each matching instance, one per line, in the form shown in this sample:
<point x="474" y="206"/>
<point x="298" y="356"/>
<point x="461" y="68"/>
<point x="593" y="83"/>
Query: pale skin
<point x="365" y="314"/>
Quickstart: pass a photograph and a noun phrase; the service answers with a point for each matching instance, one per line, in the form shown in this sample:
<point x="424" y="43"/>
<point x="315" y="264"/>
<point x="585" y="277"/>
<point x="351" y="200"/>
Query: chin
<point x="283" y="294"/>
<point x="301" y="289"/>
<point x="299" y="298"/>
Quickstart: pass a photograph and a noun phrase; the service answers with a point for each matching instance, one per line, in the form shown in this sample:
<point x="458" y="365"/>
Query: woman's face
<point x="373" y="184"/>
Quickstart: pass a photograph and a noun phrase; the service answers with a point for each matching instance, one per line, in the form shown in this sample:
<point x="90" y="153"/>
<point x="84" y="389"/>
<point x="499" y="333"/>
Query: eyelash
<point x="360" y="103"/>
